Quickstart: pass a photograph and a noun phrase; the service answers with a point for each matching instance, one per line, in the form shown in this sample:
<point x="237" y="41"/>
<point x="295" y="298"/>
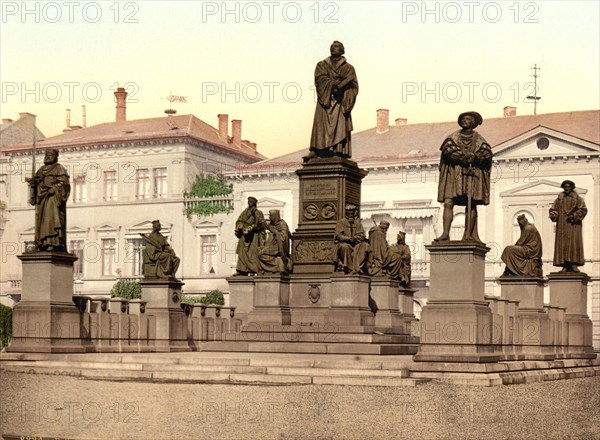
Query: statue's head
<point x="156" y="226"/>
<point x="522" y="220"/>
<point x="568" y="186"/>
<point x="401" y="237"/>
<point x="252" y="201"/>
<point x="470" y="120"/>
<point x="337" y="48"/>
<point x="274" y="215"/>
<point x="51" y="156"/>
<point x="384" y="225"/>
<point x="350" y="211"/>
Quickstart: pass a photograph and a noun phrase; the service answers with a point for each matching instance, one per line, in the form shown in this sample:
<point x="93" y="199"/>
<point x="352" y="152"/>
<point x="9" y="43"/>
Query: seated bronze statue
<point x="159" y="259"/>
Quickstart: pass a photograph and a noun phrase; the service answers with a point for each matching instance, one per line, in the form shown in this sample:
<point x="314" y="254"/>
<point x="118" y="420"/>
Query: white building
<point x="532" y="156"/>
<point x="124" y="174"/>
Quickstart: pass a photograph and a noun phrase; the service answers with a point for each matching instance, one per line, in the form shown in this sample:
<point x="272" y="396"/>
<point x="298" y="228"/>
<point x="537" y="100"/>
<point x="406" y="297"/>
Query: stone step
<point x="328" y="338"/>
<point x="311" y="347"/>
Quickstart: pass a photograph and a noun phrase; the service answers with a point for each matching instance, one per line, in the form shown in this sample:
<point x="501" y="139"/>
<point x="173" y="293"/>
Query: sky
<point x="424" y="61"/>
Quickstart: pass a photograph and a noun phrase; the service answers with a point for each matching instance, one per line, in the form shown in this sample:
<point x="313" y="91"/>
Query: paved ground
<point x="66" y="407"/>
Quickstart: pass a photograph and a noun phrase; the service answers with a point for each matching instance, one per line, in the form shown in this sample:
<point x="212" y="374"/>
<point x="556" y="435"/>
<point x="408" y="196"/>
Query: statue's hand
<point x="325" y="106"/>
<point x="51" y="192"/>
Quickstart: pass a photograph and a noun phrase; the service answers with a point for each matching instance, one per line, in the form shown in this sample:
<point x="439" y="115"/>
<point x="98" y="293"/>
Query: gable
<point x="541" y="189"/>
<point x="542" y="142"/>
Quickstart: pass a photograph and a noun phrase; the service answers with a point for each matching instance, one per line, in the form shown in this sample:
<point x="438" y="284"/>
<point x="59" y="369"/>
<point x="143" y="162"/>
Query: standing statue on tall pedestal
<point x="274" y="257"/>
<point x="379" y="255"/>
<point x="465" y="168"/>
<point x="249" y="229"/>
<point x="525" y="257"/>
<point x="399" y="265"/>
<point x="49" y="192"/>
<point x="568" y="211"/>
<point x="160" y="260"/>
<point x="337" y="88"/>
<point x="352" y="249"/>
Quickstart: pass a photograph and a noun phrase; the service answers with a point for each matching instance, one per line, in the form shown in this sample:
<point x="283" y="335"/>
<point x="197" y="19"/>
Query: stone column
<point x="456" y="323"/>
<point x="534" y="327"/>
<point x="163" y="301"/>
<point x="569" y="290"/>
<point x="46" y="320"/>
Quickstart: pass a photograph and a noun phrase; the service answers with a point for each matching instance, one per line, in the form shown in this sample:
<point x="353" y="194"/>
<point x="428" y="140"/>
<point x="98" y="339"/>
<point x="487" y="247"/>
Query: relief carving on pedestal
<point x="313" y="251"/>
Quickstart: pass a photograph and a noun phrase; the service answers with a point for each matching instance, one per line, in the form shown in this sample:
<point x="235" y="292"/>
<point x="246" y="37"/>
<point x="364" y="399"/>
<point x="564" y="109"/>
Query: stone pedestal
<point x="326" y="185"/>
<point x="271" y="300"/>
<point x="534" y="329"/>
<point x="46" y="320"/>
<point x="406" y="306"/>
<point x="241" y="295"/>
<point x="350" y="301"/>
<point x="456" y="323"/>
<point x="384" y="303"/>
<point x="163" y="301"/>
<point x="569" y="290"/>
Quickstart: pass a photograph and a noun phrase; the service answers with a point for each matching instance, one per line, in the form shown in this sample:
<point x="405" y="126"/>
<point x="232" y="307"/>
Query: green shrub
<point x="126" y="289"/>
<point x="213" y="297"/>
<point x="5" y="325"/>
<point x="187" y="299"/>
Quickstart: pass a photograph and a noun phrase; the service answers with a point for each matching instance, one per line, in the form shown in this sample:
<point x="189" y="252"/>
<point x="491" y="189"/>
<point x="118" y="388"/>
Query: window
<point x="76" y="248"/>
<point x="79" y="189"/>
<point x="458" y="227"/>
<point x="208" y="250"/>
<point x="135" y="256"/>
<point x="143" y="183"/>
<point x="160" y="182"/>
<point x="109" y="247"/>
<point x="110" y="185"/>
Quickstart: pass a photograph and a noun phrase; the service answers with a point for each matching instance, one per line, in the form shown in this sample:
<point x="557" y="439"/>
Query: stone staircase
<point x="217" y="367"/>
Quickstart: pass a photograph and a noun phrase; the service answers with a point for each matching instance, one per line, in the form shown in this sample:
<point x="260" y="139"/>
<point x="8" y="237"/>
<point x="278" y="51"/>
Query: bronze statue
<point x="465" y="167"/>
<point x="525" y="257"/>
<point x="399" y="265"/>
<point x="352" y="249"/>
<point x="568" y="211"/>
<point x="49" y="192"/>
<point x="378" y="244"/>
<point x="274" y="257"/>
<point x="249" y="229"/>
<point x="337" y="88"/>
<point x="160" y="260"/>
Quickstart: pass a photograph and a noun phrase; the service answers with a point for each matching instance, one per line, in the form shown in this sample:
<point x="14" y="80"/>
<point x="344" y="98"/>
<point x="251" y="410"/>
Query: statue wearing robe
<point x="524" y="258"/>
<point x="274" y="257"/>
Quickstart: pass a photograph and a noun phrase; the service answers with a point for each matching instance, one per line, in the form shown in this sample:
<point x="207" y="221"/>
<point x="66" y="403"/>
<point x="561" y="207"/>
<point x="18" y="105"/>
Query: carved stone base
<point x="46" y="320"/>
<point x="326" y="185"/>
<point x="271" y="300"/>
<point x="163" y="301"/>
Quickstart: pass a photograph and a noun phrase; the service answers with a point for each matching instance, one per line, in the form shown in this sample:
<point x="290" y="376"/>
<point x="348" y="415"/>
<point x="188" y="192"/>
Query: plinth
<point x="534" y="329"/>
<point x="271" y="300"/>
<point x="326" y="185"/>
<point x="46" y="320"/>
<point x="456" y="323"/>
<point x="163" y="301"/>
<point x="569" y="290"/>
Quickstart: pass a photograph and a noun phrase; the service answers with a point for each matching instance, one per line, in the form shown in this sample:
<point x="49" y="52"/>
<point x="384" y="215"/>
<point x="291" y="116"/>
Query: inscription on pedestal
<point x="320" y="189"/>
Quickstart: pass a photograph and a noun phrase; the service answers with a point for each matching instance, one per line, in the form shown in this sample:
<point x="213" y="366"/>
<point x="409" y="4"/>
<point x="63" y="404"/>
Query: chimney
<point x="401" y="121"/>
<point x="383" y="120"/>
<point x="6" y="121"/>
<point x="68" y="118"/>
<point x="510" y="111"/>
<point x="223" y="126"/>
<point x="236" y="131"/>
<point x="249" y="144"/>
<point x="121" y="97"/>
<point x="83" y="116"/>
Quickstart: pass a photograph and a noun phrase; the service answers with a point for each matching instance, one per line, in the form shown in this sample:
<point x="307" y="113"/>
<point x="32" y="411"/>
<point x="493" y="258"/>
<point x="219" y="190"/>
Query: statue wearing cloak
<point x="525" y="257"/>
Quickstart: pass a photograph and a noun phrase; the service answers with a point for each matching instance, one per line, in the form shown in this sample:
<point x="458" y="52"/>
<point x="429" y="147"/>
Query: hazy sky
<point x="424" y="61"/>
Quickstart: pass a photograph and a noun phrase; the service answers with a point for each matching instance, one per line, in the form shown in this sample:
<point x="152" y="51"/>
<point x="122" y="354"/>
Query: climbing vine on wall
<point x="209" y="186"/>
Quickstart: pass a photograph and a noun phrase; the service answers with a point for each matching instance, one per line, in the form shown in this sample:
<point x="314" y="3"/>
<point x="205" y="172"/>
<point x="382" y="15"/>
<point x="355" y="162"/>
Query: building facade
<point x="124" y="175"/>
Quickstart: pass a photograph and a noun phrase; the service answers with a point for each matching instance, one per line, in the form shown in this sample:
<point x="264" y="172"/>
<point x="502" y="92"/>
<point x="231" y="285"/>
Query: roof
<point x="417" y="142"/>
<point x="19" y="131"/>
<point x="165" y="127"/>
